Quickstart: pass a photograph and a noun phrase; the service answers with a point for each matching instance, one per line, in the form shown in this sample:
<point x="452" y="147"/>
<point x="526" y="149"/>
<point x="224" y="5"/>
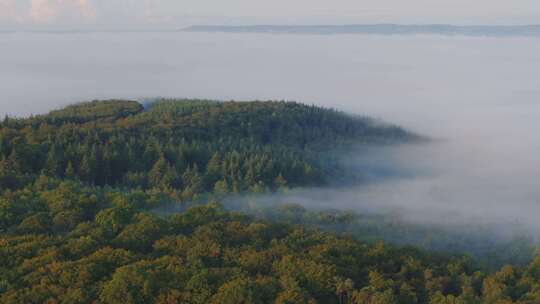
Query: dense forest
<point x="81" y="191"/>
<point x="189" y="146"/>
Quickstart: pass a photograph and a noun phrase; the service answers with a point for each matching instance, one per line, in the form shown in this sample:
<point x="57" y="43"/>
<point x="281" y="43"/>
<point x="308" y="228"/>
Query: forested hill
<point x="192" y="146"/>
<point x="79" y="190"/>
<point x="98" y="111"/>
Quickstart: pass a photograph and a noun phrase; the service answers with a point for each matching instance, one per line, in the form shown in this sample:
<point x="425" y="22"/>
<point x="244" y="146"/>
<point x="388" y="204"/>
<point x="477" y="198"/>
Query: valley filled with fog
<point x="478" y="98"/>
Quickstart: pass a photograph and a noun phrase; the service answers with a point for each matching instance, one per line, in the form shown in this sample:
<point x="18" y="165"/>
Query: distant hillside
<point x="190" y="146"/>
<point x="94" y="111"/>
<point x="378" y="29"/>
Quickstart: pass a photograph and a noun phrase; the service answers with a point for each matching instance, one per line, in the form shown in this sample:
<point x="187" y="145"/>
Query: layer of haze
<point x="479" y="96"/>
<point x="170" y="14"/>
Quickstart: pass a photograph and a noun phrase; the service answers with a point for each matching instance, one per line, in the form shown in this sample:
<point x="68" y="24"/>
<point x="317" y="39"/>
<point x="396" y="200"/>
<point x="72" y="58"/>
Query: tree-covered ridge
<point x="81" y="190"/>
<point x="187" y="146"/>
<point x="283" y="123"/>
<point x="93" y="111"/>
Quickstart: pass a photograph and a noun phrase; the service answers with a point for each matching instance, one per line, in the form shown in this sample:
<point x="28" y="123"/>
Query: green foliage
<point x="93" y="111"/>
<point x="115" y="250"/>
<point x="185" y="146"/>
<point x="79" y="190"/>
<point x="475" y="239"/>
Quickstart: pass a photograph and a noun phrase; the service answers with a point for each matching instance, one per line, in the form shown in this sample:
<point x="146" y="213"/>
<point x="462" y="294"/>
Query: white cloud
<point x="86" y="8"/>
<point x="43" y="11"/>
<point x="8" y="10"/>
<point x="47" y="11"/>
<point x="154" y="13"/>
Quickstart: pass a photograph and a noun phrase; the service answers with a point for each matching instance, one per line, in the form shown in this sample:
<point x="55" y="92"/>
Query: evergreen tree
<point x="280" y="182"/>
<point x="53" y="165"/>
<point x="8" y="176"/>
<point x="156" y="176"/>
<point x="213" y="169"/>
<point x="70" y="171"/>
<point x="221" y="187"/>
<point x="86" y="169"/>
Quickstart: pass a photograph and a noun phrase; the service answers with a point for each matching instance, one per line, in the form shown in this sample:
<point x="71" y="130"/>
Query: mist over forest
<point x="225" y="168"/>
<point x="475" y="96"/>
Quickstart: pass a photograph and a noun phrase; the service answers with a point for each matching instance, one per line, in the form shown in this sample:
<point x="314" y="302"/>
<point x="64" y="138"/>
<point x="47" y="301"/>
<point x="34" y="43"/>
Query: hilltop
<point x="192" y="146"/>
<point x="80" y="186"/>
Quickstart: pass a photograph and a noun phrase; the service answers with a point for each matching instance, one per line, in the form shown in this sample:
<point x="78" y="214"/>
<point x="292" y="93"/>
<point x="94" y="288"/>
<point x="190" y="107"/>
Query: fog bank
<point x="478" y="96"/>
<point x="430" y="184"/>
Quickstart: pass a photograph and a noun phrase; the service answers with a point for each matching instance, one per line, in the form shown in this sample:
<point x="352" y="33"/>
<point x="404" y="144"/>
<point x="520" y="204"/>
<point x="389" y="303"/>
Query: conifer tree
<point x="70" y="171"/>
<point x="158" y="172"/>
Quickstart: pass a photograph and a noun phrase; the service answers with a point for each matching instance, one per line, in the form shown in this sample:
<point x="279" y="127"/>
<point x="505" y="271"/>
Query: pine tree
<point x="258" y="188"/>
<point x="2" y="146"/>
<point x="105" y="167"/>
<point x="280" y="182"/>
<point x="170" y="178"/>
<point x="249" y="177"/>
<point x="192" y="179"/>
<point x="86" y="169"/>
<point x="14" y="162"/>
<point x="52" y="166"/>
<point x="7" y="177"/>
<point x="221" y="187"/>
<point x="158" y="172"/>
<point x="70" y="171"/>
<point x="213" y="169"/>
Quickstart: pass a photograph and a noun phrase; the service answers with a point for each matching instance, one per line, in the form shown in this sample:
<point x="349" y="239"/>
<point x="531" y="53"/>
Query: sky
<point x="168" y="14"/>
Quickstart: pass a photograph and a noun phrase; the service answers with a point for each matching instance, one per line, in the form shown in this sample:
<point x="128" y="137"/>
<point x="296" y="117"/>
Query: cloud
<point x="8" y="10"/>
<point x="48" y="11"/>
<point x="86" y="9"/>
<point x="43" y="11"/>
<point x="152" y="12"/>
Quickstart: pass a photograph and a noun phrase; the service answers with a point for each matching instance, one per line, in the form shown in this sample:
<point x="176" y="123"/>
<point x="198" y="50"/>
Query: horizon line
<point x="183" y="28"/>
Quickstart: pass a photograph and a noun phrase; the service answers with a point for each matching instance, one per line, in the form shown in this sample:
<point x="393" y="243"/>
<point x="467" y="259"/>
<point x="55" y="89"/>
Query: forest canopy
<point x="192" y="146"/>
<point x="80" y="186"/>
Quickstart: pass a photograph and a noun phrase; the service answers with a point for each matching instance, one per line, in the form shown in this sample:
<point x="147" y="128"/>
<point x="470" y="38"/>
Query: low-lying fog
<point x="480" y="97"/>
